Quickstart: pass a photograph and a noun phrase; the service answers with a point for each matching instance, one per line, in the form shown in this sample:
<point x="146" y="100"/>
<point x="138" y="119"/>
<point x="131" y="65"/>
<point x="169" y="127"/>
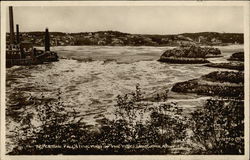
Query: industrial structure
<point x="23" y="52"/>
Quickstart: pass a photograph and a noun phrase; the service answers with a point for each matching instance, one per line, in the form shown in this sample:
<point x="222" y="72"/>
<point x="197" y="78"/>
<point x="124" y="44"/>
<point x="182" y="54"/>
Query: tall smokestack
<point x="12" y="38"/>
<point x="47" y="40"/>
<point x="17" y="34"/>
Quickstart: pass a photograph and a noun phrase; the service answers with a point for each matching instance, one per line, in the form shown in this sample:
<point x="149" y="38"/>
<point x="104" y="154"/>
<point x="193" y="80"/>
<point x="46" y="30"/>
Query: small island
<point x="192" y="54"/>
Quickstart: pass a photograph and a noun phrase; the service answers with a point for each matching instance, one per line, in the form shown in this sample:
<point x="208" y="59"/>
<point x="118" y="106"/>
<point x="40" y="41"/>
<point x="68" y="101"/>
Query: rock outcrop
<point x="188" y="54"/>
<point x="238" y="56"/>
<point x="222" y="84"/>
<point x="237" y="62"/>
<point x="232" y="65"/>
<point x="182" y="60"/>
<point x="225" y="76"/>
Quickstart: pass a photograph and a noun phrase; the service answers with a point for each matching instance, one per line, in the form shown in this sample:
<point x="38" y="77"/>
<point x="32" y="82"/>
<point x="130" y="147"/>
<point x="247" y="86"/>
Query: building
<point x="23" y="52"/>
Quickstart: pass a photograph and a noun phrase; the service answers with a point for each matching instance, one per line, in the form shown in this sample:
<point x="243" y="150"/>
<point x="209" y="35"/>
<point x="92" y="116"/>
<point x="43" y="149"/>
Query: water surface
<point x="90" y="77"/>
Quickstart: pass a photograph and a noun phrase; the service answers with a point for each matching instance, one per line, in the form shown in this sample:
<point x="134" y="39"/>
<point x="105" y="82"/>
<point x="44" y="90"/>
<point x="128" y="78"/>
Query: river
<point x="90" y="77"/>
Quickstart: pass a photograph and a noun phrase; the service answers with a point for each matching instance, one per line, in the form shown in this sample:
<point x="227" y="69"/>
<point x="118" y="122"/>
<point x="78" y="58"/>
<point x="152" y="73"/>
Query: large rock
<point x="225" y="76"/>
<point x="188" y="54"/>
<point x="238" y="56"/>
<point x="222" y="84"/>
<point x="191" y="52"/>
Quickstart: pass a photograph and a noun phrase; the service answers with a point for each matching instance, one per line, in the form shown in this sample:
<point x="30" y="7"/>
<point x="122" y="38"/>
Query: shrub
<point x="164" y="124"/>
<point x="219" y="127"/>
<point x="56" y="128"/>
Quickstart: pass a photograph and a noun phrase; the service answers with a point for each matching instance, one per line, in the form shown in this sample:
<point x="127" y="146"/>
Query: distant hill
<point x="213" y="36"/>
<point x="116" y="38"/>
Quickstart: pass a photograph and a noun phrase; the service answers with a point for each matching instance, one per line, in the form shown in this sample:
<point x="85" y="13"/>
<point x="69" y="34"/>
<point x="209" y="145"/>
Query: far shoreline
<point x="136" y="46"/>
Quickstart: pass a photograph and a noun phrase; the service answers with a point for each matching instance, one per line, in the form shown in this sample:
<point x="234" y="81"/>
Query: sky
<point x="130" y="19"/>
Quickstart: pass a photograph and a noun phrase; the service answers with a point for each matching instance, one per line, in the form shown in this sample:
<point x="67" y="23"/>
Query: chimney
<point x="47" y="40"/>
<point x="17" y="34"/>
<point x="12" y="38"/>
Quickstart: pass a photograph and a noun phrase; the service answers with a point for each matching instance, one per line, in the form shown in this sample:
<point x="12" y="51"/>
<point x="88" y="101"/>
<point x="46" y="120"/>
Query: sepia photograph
<point x="125" y="79"/>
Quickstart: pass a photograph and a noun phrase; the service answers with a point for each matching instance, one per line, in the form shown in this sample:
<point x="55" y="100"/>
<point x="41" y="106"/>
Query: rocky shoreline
<point x="213" y="86"/>
<point x="236" y="62"/>
<point x="231" y="65"/>
<point x="225" y="84"/>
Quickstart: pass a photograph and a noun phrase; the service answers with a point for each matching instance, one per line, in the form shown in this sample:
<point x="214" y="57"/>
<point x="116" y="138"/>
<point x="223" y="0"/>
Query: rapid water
<point x="90" y="77"/>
